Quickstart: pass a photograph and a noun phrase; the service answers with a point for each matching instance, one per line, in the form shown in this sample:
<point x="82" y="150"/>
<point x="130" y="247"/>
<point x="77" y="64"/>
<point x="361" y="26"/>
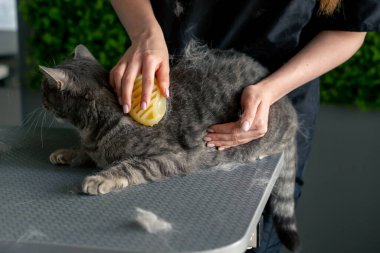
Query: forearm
<point x="137" y="17"/>
<point x="147" y="55"/>
<point x="326" y="51"/>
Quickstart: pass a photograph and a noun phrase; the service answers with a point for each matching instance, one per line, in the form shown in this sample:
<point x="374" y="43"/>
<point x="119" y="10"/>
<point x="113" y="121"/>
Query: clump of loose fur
<point x="206" y="86"/>
<point x="151" y="222"/>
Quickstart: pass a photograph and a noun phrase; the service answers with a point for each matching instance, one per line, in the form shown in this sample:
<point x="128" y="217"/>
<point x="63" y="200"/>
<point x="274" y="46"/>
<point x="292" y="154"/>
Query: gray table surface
<point x="43" y="210"/>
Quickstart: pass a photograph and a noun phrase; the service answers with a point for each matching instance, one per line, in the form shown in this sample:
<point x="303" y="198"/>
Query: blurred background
<point x="340" y="207"/>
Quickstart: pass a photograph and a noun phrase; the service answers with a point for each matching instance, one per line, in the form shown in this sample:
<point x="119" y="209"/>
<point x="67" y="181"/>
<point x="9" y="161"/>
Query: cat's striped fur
<point x="206" y="86"/>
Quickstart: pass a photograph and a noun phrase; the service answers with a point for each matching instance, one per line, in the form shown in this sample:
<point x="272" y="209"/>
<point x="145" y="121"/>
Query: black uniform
<point x="272" y="32"/>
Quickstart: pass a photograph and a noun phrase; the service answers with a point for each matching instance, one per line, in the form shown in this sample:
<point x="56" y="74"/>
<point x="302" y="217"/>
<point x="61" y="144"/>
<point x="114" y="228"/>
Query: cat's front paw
<point x="100" y="184"/>
<point x="62" y="156"/>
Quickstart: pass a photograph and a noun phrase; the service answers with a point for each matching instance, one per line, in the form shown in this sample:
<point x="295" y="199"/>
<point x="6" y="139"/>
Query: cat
<point x="206" y="86"/>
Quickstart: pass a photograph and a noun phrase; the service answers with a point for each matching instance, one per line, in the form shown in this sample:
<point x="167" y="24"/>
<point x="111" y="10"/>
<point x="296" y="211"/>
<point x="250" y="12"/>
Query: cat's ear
<point x="58" y="76"/>
<point x="81" y="52"/>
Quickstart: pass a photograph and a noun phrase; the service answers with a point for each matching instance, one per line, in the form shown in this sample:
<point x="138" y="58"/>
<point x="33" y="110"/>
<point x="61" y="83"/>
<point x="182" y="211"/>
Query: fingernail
<point x="143" y="106"/>
<point x="210" y="145"/>
<point x="167" y="93"/>
<point x="221" y="148"/>
<point x="125" y="108"/>
<point x="245" y="126"/>
<point x="207" y="139"/>
<point x="210" y="130"/>
<point x="120" y="102"/>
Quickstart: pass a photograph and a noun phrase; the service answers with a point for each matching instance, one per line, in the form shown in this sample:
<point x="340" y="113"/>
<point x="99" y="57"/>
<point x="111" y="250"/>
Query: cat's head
<point x="78" y="90"/>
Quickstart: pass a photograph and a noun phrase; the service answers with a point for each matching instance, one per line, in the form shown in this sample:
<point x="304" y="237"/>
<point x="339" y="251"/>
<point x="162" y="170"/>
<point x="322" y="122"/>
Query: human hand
<point x="148" y="56"/>
<point x="255" y="101"/>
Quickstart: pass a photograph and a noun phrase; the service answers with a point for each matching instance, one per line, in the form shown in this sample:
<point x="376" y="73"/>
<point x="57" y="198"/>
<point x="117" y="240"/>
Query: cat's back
<point x="206" y="84"/>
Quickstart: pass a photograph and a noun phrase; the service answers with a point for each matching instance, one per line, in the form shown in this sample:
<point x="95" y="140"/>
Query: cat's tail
<point x="282" y="202"/>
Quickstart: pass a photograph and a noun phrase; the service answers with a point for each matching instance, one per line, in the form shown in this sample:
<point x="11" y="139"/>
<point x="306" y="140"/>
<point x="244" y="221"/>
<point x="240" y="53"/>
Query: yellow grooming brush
<point x="156" y="109"/>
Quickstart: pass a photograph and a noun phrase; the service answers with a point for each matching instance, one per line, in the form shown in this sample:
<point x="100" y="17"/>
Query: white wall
<point x="8" y="17"/>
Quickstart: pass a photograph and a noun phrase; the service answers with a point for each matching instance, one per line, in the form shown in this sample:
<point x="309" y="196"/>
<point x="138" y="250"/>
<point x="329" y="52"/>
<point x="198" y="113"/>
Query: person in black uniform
<point x="296" y="40"/>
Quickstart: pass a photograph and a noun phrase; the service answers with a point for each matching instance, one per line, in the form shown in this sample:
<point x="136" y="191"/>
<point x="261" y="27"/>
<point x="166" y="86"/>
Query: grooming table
<point x="43" y="210"/>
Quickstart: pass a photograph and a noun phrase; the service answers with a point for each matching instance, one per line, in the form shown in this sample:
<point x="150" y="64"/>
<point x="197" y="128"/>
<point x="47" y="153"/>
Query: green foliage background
<point x="356" y="82"/>
<point x="57" y="26"/>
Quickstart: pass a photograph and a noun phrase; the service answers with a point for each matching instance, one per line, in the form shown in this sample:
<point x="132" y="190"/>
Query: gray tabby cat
<point x="206" y="86"/>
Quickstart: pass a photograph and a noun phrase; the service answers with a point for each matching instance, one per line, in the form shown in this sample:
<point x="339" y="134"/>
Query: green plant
<point x="356" y="82"/>
<point x="55" y="27"/>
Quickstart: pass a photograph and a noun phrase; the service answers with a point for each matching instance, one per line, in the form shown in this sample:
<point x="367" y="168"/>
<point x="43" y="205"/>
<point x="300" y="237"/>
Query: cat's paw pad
<point x="62" y="157"/>
<point x="99" y="184"/>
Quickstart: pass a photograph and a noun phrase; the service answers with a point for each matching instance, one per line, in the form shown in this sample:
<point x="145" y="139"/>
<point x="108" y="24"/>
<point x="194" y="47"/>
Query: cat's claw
<point x="99" y="184"/>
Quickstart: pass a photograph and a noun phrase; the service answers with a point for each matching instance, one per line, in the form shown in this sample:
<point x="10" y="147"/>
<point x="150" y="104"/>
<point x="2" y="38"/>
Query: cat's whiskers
<point x="29" y="121"/>
<point x="29" y="117"/>
<point x="38" y="119"/>
<point x="52" y="121"/>
<point x="33" y="119"/>
<point x="42" y="125"/>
